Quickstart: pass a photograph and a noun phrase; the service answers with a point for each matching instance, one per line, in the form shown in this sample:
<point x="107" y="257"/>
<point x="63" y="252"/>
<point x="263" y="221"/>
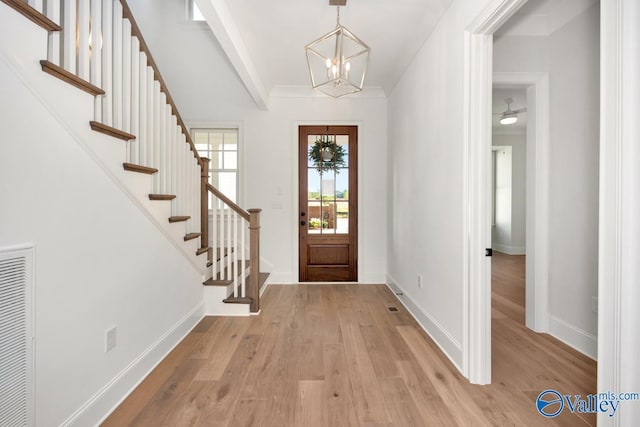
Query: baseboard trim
<point x="447" y="344"/>
<point x="107" y="399"/>
<point x="574" y="337"/>
<point x="509" y="250"/>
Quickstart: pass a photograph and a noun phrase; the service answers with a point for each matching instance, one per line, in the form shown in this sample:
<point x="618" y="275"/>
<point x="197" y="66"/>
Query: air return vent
<point x="16" y="367"/>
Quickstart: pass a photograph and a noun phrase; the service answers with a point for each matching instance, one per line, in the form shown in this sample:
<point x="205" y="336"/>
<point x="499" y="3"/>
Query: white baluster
<point x="96" y="53"/>
<point x="117" y="65"/>
<point x="107" y="62"/>
<point x="143" y="132"/>
<point x="194" y="192"/>
<point x="84" y="53"/>
<point x="213" y="231"/>
<point x="172" y="130"/>
<point x="236" y="264"/>
<point x="69" y="22"/>
<point x="243" y="266"/>
<point x="229" y="241"/>
<point x="176" y="165"/>
<point x="148" y="159"/>
<point x="54" y="47"/>
<point x="157" y="134"/>
<point x="162" y="144"/>
<point x="127" y="71"/>
<point x="135" y="100"/>
<point x="183" y="176"/>
<point x="223" y="241"/>
<point x="150" y="118"/>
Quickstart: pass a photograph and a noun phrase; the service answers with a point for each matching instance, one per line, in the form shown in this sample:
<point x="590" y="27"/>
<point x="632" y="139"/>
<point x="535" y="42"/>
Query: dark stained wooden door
<point x="328" y="211"/>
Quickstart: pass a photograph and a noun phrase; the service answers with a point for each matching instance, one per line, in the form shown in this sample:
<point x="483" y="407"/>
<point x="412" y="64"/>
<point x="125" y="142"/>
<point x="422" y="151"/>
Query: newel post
<point x="204" y="205"/>
<point x="254" y="257"/>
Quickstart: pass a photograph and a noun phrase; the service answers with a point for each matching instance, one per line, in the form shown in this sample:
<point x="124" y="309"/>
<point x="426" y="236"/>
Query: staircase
<point x="135" y="133"/>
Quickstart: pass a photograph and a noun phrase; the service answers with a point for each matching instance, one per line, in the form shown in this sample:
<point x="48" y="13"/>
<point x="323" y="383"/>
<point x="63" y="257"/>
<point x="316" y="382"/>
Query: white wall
<point x="571" y="57"/>
<point x="425" y="179"/>
<point x="573" y="205"/>
<point x="99" y="261"/>
<point x="514" y="242"/>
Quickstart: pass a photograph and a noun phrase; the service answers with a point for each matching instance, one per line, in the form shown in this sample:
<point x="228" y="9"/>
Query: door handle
<point x="303" y="223"/>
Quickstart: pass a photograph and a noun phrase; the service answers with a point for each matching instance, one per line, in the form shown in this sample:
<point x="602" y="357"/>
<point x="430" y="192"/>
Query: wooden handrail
<point x="135" y="30"/>
<point x="244" y="214"/>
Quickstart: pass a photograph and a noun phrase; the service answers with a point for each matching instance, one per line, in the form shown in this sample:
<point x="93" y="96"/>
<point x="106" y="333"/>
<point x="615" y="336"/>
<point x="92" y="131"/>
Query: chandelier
<point x="338" y="60"/>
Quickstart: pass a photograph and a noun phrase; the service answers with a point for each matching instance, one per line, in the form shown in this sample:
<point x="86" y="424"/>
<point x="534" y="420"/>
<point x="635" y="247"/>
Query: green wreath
<point x="326" y="155"/>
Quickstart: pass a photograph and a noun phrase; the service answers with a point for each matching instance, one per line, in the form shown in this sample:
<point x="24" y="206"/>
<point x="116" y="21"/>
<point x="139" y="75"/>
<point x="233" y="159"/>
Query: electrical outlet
<point x="276" y="204"/>
<point x="110" y="341"/>
<point x="419" y="281"/>
<point x="594" y="304"/>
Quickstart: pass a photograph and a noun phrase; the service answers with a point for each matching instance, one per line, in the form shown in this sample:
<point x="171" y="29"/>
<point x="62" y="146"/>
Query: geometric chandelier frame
<point x="338" y="61"/>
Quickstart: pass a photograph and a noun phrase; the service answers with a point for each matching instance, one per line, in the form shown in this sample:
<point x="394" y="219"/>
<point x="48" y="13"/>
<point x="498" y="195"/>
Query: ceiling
<point x="543" y="17"/>
<point x="275" y="32"/>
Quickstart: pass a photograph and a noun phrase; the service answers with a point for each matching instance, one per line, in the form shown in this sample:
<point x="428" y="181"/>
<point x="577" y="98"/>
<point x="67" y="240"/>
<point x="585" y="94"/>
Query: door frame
<point x="351" y="131"/>
<point x="295" y="196"/>
<point x="476" y="179"/>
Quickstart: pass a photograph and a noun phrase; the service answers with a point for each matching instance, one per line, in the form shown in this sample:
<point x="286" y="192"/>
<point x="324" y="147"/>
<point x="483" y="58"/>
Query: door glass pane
<point x="342" y="217"/>
<point x="342" y="141"/>
<point x="313" y="184"/>
<point x="328" y="186"/>
<point x="315" y="218"/>
<point x="328" y="217"/>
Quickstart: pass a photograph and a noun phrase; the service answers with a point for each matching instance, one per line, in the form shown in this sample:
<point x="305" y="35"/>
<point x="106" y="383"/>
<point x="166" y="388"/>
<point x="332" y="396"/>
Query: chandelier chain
<point x="338" y="18"/>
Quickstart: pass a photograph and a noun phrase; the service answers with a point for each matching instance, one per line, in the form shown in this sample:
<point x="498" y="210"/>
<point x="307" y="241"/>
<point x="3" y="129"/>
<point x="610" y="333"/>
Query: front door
<point x="327" y="214"/>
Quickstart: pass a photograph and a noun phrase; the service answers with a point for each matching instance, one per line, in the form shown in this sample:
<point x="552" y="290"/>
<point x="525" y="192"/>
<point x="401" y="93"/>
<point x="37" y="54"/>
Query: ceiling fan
<point x="509" y="116"/>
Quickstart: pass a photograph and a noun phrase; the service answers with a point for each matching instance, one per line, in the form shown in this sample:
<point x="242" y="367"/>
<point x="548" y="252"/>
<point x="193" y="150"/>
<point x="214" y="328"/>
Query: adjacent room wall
<point x="514" y="242"/>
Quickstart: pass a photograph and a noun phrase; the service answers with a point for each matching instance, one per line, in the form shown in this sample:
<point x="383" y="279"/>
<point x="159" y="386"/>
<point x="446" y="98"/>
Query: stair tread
<point x="33" y="14"/>
<point x="162" y="196"/>
<point x="179" y="218"/>
<point x="214" y="282"/>
<point x="139" y="168"/>
<point x="64" y="75"/>
<point x="238" y="300"/>
<point x="111" y="131"/>
<point x="190" y="236"/>
<point x="201" y="251"/>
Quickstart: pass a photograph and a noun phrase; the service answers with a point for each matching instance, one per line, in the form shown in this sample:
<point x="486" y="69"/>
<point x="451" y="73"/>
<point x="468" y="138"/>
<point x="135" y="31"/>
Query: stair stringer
<point x="74" y="109"/>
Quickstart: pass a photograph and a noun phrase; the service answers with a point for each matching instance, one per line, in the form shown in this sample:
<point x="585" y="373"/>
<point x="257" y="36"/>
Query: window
<point x="194" y="11"/>
<point x="220" y="146"/>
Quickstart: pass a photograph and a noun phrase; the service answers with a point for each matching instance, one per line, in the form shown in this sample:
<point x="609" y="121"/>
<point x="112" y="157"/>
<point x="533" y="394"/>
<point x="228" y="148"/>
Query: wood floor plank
<point x="339" y="402"/>
<point x="465" y="411"/>
<point x="309" y="410"/>
<point x="225" y="347"/>
<point x="368" y="396"/>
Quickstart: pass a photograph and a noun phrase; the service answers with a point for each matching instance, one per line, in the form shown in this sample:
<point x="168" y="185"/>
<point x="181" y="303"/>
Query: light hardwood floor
<point x="334" y="355"/>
